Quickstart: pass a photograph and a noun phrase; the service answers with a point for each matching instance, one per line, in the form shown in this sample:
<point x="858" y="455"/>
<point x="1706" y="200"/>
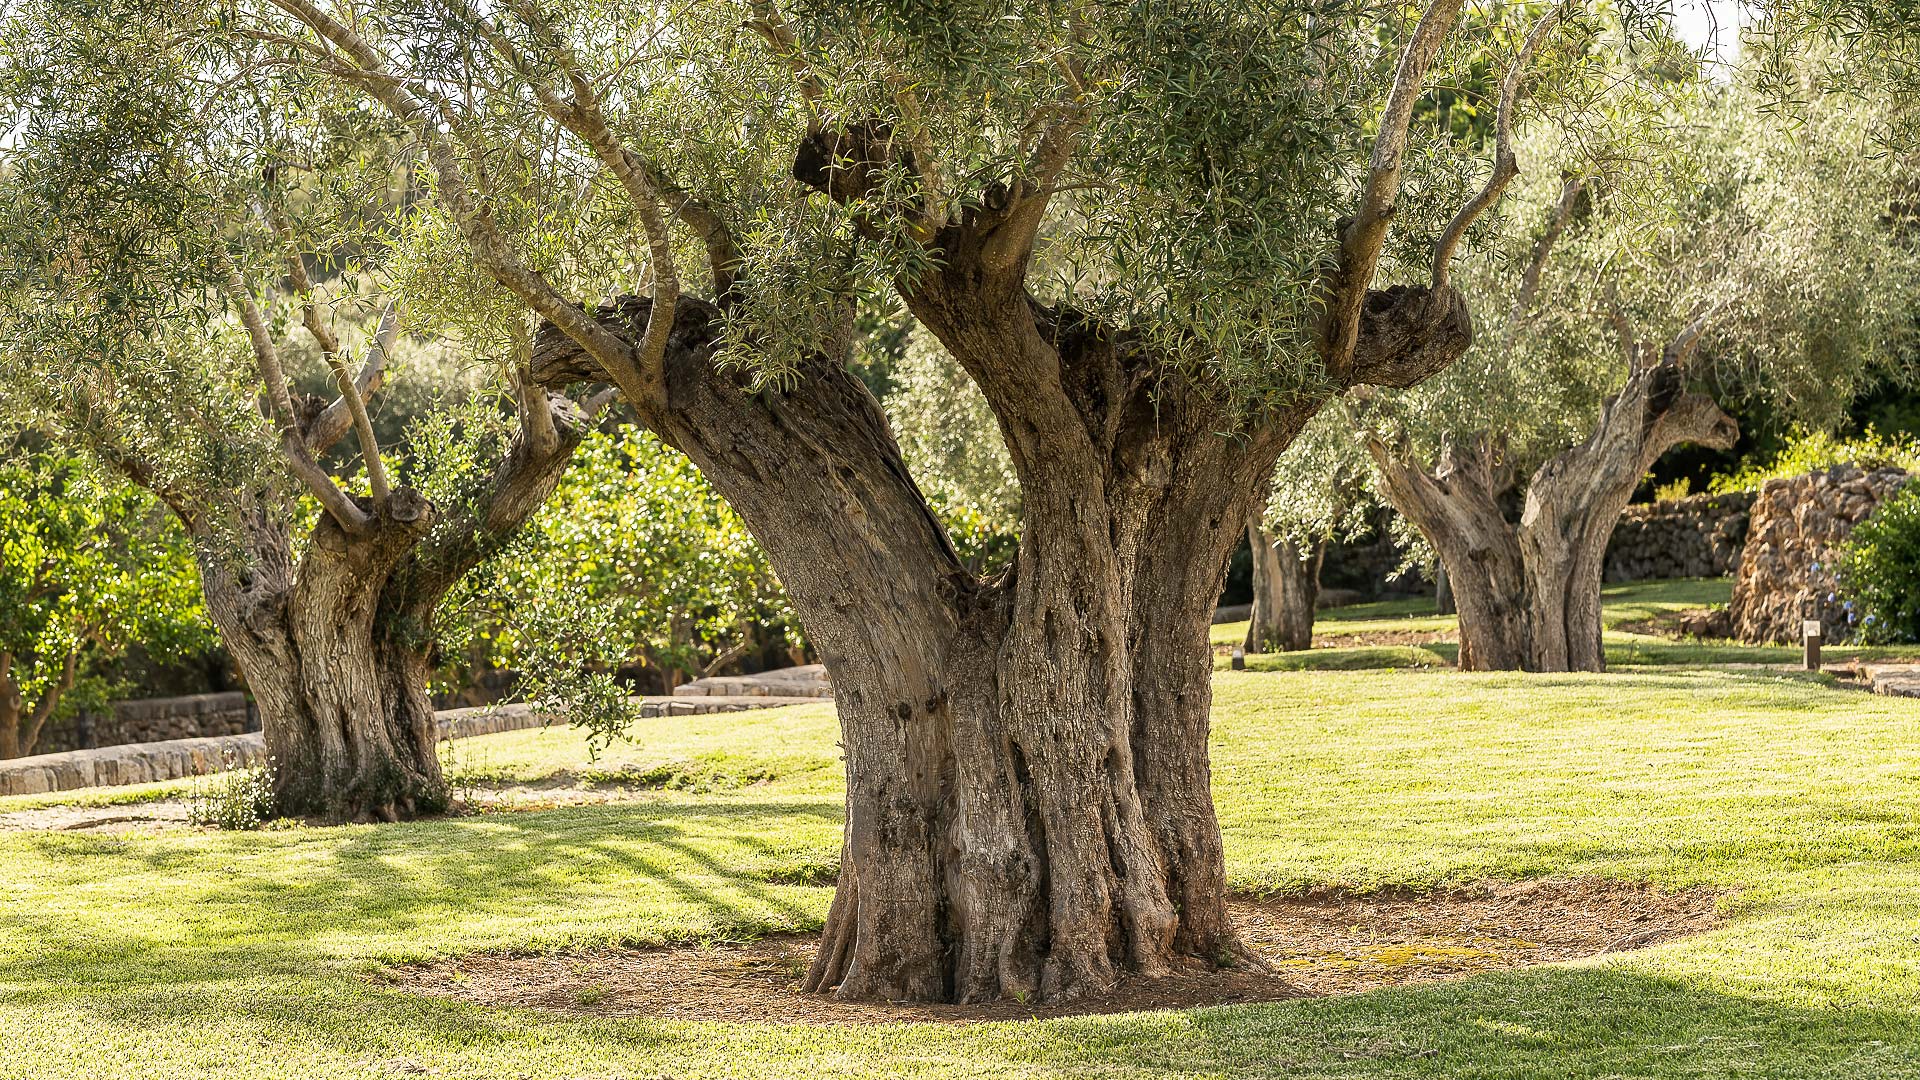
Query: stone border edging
<point x="146" y="763"/>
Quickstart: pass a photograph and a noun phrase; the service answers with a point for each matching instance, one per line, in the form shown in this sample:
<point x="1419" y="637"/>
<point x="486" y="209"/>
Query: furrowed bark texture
<point x="1286" y="587"/>
<point x="336" y="645"/>
<point x="1528" y="593"/>
<point x="1028" y="809"/>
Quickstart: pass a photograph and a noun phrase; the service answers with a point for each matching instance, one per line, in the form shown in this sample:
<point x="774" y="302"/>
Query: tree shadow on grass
<point x="1597" y="1022"/>
<point x="410" y="889"/>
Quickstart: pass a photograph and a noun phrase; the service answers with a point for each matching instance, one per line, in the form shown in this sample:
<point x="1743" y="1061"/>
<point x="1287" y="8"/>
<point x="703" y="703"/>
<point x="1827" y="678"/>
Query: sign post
<point x="1812" y="629"/>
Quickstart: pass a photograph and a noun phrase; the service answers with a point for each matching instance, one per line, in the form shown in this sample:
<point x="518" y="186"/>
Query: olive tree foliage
<point x="1751" y="257"/>
<point x="89" y="567"/>
<point x="181" y="228"/>
<point x="951" y="441"/>
<point x="1157" y="238"/>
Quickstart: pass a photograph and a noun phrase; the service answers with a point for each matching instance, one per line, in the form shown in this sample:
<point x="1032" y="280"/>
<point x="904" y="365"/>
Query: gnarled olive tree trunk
<point x="336" y="644"/>
<point x="1028" y="809"/>
<point x="1529" y="592"/>
<point x="1286" y="588"/>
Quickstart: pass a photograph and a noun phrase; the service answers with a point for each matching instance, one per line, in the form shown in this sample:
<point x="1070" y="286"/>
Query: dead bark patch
<point x="1322" y="944"/>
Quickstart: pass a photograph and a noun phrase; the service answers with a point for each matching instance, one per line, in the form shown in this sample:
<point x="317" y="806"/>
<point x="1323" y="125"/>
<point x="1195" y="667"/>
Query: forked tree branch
<point x="579" y="112"/>
<point x="336" y="419"/>
<point x="1687" y="341"/>
<point x="322" y="331"/>
<point x="292" y="444"/>
<point x="1506" y="165"/>
<point x="1360" y="245"/>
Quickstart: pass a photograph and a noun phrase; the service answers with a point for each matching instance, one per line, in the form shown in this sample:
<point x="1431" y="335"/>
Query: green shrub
<point x="1811" y="451"/>
<point x="1880" y="570"/>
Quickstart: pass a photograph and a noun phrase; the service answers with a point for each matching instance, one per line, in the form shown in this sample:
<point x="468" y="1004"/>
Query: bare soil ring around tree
<point x="1321" y="944"/>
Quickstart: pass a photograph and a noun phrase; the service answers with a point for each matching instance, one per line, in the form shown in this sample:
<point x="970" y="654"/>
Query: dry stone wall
<point x="196" y="716"/>
<point x="1796" y="528"/>
<point x="1698" y="536"/>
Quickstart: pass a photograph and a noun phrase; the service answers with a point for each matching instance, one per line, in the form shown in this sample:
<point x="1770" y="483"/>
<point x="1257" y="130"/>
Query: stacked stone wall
<point x="1796" y="530"/>
<point x="196" y="716"/>
<point x="1698" y="536"/>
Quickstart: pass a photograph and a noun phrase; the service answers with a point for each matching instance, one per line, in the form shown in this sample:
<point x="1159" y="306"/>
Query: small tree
<point x="169" y="259"/>
<point x="88" y="568"/>
<point x="1736" y="265"/>
<point x="1321" y="493"/>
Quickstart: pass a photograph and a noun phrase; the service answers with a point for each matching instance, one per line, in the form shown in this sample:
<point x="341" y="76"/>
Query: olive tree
<point x="1321" y="492"/>
<point x="173" y="252"/>
<point x="1156" y="239"/>
<point x="1757" y="260"/>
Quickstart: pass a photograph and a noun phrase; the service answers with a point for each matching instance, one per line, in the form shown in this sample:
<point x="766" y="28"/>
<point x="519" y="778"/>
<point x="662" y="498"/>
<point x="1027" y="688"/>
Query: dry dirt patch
<point x="1330" y="943"/>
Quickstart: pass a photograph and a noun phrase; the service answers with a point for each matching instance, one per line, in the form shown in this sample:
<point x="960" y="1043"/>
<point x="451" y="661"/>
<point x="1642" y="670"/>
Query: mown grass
<point x="1625" y="606"/>
<point x="260" y="955"/>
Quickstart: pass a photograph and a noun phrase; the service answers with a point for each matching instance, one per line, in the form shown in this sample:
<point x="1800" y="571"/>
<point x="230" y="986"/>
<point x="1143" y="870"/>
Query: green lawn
<point x="1623" y="604"/>
<point x="197" y="954"/>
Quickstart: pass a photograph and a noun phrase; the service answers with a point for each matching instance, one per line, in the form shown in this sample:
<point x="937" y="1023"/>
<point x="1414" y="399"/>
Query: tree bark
<point x="1286" y="587"/>
<point x="1528" y="593"/>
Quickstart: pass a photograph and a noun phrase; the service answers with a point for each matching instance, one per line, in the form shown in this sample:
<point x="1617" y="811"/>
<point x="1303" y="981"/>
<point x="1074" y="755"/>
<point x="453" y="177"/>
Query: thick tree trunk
<point x="1028" y="811"/>
<point x="1529" y="593"/>
<point x="1286" y="586"/>
<point x="337" y="646"/>
<point x="342" y="701"/>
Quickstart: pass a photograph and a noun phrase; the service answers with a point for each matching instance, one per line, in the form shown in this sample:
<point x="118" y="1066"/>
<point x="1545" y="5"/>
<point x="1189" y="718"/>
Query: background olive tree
<point x="1752" y="259"/>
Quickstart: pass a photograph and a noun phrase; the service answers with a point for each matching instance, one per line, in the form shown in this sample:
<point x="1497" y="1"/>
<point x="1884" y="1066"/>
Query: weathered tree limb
<point x="1505" y="165"/>
<point x="1361" y="243"/>
<point x="293" y="444"/>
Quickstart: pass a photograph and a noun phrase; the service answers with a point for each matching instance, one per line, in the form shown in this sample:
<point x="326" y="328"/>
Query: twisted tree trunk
<point x="1528" y="593"/>
<point x="1286" y="588"/>
<point x="337" y="644"/>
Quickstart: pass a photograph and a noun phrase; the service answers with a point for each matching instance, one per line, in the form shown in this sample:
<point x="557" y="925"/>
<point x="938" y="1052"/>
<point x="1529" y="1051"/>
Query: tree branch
<point x="457" y="193"/>
<point x="580" y="113"/>
<point x="770" y="24"/>
<point x="266" y="357"/>
<point x="1557" y="219"/>
<point x="337" y="419"/>
<point x="1622" y="325"/>
<point x="1687" y="341"/>
<point x="1505" y="165"/>
<point x="49" y="701"/>
<point x="322" y="332"/>
<point x="1361" y="243"/>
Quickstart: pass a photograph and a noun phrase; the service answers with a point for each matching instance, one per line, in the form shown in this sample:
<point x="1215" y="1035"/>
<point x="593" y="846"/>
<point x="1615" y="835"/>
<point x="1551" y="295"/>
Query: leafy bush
<point x="233" y="798"/>
<point x="1880" y="570"/>
<point x="1811" y="451"/>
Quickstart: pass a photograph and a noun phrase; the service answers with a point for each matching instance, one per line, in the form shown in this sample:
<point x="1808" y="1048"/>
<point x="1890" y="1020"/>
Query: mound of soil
<point x="1327" y="943"/>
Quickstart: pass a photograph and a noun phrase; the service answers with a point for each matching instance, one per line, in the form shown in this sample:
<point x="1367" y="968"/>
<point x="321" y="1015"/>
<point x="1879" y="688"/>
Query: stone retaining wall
<point x="144" y="763"/>
<point x="196" y="716"/>
<point x="1797" y="526"/>
<point x="1698" y="536"/>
